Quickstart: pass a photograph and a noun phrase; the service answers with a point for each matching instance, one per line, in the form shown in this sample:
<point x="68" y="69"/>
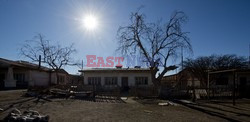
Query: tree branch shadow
<point x="220" y="109"/>
<point x="209" y="112"/>
<point x="15" y="103"/>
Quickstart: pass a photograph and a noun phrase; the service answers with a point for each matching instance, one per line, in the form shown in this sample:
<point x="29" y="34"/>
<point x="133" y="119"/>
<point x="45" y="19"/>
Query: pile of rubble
<point x="27" y="116"/>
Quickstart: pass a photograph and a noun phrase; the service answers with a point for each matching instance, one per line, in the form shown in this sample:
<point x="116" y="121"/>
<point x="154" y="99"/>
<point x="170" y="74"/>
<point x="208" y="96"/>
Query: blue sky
<point x="215" y="26"/>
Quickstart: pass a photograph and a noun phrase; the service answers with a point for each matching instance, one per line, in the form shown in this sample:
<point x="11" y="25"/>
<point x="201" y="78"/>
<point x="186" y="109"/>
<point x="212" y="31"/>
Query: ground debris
<point x="163" y="104"/>
<point x="187" y="102"/>
<point x="167" y="103"/>
<point x="148" y="111"/>
<point x="124" y="98"/>
<point x="28" y="116"/>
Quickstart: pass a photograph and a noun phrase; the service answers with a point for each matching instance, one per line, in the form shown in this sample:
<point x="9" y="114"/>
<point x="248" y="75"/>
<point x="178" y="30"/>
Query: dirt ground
<point x="105" y="109"/>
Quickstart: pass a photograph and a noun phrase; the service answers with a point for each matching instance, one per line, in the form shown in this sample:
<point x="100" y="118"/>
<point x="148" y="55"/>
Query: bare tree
<point x="155" y="41"/>
<point x="55" y="56"/>
<point x="199" y="67"/>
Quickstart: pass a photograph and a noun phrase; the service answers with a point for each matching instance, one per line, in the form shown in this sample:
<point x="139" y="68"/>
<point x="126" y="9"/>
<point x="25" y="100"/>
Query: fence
<point x="216" y="92"/>
<point x="144" y="91"/>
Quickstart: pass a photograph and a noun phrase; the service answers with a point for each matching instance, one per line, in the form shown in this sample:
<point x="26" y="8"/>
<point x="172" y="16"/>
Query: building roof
<point x="212" y="72"/>
<point x="22" y="64"/>
<point x="62" y="71"/>
<point x="230" y="70"/>
<point x="32" y="65"/>
<point x="114" y="69"/>
<point x="172" y="75"/>
<point x="6" y="62"/>
<point x="26" y="65"/>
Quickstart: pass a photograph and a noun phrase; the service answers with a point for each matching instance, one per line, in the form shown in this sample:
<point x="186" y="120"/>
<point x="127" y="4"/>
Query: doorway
<point x="243" y="87"/>
<point x="125" y="87"/>
<point x="2" y="77"/>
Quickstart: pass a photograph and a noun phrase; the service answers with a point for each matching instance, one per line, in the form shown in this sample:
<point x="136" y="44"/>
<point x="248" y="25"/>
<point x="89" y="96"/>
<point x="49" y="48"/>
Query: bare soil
<point x="106" y="109"/>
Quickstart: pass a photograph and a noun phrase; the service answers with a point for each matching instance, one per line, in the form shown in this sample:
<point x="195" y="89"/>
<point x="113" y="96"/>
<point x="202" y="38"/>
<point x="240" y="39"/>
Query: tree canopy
<point x="200" y="66"/>
<point x="156" y="42"/>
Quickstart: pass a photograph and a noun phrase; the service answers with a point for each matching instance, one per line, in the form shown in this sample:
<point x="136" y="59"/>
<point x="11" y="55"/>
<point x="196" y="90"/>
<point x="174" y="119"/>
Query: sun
<point x="90" y="22"/>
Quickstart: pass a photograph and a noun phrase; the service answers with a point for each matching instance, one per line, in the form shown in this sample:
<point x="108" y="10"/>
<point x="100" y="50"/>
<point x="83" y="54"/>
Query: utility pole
<point x="249" y="58"/>
<point x="181" y="58"/>
<point x="39" y="66"/>
<point x="82" y="64"/>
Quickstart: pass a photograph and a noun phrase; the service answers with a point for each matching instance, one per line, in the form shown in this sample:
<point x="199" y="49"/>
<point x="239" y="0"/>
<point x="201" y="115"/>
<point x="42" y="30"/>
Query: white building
<point x="21" y="74"/>
<point x="122" y="77"/>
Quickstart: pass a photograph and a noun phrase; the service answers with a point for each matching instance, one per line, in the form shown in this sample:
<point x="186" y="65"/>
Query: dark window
<point x="110" y="80"/>
<point x="2" y="77"/>
<point x="141" y="80"/>
<point x="20" y="80"/>
<point x="222" y="81"/>
<point x="243" y="79"/>
<point x="94" y="81"/>
<point x="19" y="77"/>
<point x="60" y="79"/>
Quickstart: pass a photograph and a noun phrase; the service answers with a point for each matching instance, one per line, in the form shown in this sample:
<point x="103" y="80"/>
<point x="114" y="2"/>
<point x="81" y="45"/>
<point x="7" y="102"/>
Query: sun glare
<point x="90" y="22"/>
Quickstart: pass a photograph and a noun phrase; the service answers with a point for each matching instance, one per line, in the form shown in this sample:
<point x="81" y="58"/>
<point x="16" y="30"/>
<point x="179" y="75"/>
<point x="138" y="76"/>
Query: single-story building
<point x="221" y="82"/>
<point x="231" y="78"/>
<point x="122" y="77"/>
<point x="75" y="79"/>
<point x="21" y="74"/>
<point x="181" y="80"/>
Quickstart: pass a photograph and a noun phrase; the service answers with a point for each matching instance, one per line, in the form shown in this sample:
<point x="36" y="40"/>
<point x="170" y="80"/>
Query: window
<point x="60" y="79"/>
<point x="222" y="81"/>
<point x="110" y="80"/>
<point x="20" y="80"/>
<point x="20" y="77"/>
<point x="141" y="80"/>
<point x="94" y="81"/>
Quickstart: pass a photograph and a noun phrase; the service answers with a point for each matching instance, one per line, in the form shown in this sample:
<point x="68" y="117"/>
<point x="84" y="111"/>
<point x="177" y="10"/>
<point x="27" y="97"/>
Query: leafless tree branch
<point x="55" y="56"/>
<point x="156" y="42"/>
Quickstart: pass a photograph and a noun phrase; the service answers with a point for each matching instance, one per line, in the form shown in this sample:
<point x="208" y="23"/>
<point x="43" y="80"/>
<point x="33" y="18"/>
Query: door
<point x="125" y="84"/>
<point x="2" y="77"/>
<point x="243" y="86"/>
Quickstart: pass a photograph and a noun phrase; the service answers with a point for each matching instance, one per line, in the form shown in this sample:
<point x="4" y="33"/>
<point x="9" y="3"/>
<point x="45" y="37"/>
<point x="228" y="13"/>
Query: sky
<point x="215" y="26"/>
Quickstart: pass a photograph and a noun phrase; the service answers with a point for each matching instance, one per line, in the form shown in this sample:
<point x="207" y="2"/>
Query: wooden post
<point x="234" y="87"/>
<point x="194" y="96"/>
<point x="94" y="92"/>
<point x="208" y="90"/>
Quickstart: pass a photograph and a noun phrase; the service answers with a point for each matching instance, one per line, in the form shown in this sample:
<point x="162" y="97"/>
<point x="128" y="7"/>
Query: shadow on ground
<point x="219" y="109"/>
<point x="104" y="99"/>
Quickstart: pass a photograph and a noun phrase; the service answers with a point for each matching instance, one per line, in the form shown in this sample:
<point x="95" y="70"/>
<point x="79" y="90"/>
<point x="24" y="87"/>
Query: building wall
<point x="32" y="77"/>
<point x="35" y="77"/>
<point x="182" y="81"/>
<point x="75" y="80"/>
<point x="63" y="77"/>
<point x="231" y="79"/>
<point x="193" y="82"/>
<point x="246" y="75"/>
<point x="38" y="78"/>
<point x="22" y="74"/>
<point x="131" y="76"/>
